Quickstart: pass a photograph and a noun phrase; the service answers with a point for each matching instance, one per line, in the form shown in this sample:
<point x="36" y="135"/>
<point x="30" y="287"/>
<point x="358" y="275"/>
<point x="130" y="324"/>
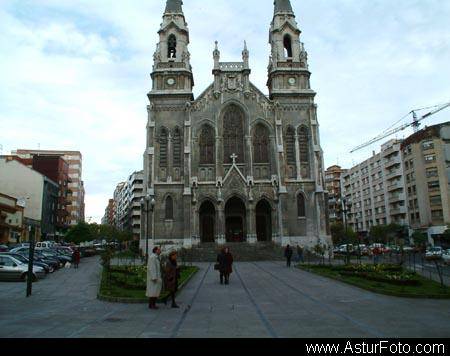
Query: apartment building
<point x="426" y="159"/>
<point x="33" y="191"/>
<point x="375" y="189"/>
<point x="333" y="183"/>
<point x="74" y="159"/>
<point x="110" y="214"/>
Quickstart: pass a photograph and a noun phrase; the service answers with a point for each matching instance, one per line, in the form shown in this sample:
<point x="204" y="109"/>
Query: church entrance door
<point x="207" y="221"/>
<point x="235" y="220"/>
<point x="263" y="221"/>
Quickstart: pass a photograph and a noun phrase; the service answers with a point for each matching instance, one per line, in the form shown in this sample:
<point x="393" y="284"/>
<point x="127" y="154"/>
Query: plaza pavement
<point x="264" y="299"/>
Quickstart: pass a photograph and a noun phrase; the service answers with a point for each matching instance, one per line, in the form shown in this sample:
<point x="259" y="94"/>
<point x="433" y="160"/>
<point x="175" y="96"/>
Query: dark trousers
<point x="225" y="275"/>
<point x="288" y="261"/>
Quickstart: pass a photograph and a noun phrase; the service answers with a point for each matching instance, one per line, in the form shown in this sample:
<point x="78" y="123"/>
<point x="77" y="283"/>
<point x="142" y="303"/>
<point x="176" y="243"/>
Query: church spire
<point x="174" y="7"/>
<point x="283" y="6"/>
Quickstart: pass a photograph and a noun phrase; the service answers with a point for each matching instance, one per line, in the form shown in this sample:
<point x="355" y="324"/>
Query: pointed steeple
<point x="174" y="7"/>
<point x="283" y="6"/>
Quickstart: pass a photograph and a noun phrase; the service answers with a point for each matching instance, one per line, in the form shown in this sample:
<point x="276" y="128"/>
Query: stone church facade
<point x="233" y="165"/>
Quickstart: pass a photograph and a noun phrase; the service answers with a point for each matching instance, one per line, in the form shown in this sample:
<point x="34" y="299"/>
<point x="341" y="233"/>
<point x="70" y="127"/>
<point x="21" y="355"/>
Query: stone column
<point x="249" y="159"/>
<point x="251" y="224"/>
<point x="297" y="157"/>
<point x="220" y="225"/>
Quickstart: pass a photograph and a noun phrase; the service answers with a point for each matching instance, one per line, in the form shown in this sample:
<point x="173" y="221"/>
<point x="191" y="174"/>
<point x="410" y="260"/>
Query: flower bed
<point x="385" y="279"/>
<point x="128" y="283"/>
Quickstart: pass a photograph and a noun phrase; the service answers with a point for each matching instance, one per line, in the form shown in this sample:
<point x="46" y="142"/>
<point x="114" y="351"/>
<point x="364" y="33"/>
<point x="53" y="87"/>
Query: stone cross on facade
<point x="234" y="157"/>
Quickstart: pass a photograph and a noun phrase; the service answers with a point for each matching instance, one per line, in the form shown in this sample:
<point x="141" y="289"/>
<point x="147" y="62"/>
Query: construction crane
<point x="415" y="124"/>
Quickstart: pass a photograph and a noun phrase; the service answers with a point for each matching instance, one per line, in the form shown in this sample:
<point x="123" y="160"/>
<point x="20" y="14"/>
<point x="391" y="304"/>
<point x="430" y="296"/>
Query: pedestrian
<point x="76" y="258"/>
<point x="299" y="254"/>
<point x="288" y="254"/>
<point x="171" y="277"/>
<point x="154" y="279"/>
<point x="225" y="265"/>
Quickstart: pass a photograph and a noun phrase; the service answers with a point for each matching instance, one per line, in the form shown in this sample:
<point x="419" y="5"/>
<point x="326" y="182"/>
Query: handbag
<point x="216" y="267"/>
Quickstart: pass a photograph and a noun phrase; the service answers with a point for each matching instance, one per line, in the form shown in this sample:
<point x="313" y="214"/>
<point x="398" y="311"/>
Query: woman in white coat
<point x="154" y="279"/>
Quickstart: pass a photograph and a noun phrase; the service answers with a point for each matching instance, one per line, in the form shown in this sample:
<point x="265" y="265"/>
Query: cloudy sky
<point x="74" y="74"/>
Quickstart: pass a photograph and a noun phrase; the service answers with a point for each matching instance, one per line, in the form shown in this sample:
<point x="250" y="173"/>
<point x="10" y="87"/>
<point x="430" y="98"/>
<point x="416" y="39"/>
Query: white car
<point x="434" y="252"/>
<point x="446" y="257"/>
<point x="12" y="269"/>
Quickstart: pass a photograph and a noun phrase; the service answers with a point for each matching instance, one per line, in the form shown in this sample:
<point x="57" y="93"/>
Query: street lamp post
<point x="147" y="206"/>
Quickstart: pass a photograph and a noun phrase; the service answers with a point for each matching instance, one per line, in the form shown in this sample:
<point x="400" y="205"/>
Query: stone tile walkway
<point x="264" y="299"/>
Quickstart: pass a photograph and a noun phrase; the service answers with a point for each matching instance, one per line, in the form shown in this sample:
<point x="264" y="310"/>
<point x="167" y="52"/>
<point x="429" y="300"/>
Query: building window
<point x="432" y="172"/>
<point x="233" y="140"/>
<point x="207" y="144"/>
<point x="301" y="206"/>
<point x="430" y="158"/>
<point x="437" y="214"/>
<point x="290" y="146"/>
<point x="427" y="145"/>
<point x="303" y="139"/>
<point x="163" y="143"/>
<point x="287" y="42"/>
<point x="261" y="144"/>
<point x="177" y="148"/>
<point x="436" y="200"/>
<point x="172" y="47"/>
<point x="433" y="186"/>
<point x="169" y="208"/>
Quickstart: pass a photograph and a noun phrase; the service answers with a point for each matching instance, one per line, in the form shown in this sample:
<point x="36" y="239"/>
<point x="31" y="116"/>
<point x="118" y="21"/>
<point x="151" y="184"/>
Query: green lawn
<point x="129" y="282"/>
<point x="423" y="288"/>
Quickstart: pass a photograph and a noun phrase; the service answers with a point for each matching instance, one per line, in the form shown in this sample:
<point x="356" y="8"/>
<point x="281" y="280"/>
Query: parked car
<point x="12" y="269"/>
<point x="25" y="260"/>
<point x="446" y="257"/>
<point x="434" y="252"/>
<point x="88" y="251"/>
<point x="342" y="249"/>
<point x="45" y="244"/>
<point x="38" y="257"/>
<point x="4" y="248"/>
<point x="54" y="255"/>
<point x="379" y="247"/>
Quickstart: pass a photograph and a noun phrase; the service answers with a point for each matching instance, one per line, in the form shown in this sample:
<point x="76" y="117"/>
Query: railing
<point x="231" y="66"/>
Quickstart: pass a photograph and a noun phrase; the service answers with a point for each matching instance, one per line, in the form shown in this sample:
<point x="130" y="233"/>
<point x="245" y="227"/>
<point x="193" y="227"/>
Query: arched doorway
<point x="207" y="221"/>
<point x="235" y="220"/>
<point x="263" y="221"/>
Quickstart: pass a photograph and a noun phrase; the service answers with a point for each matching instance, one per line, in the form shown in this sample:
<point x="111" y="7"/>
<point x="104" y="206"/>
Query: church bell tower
<point x="172" y="71"/>
<point x="288" y="65"/>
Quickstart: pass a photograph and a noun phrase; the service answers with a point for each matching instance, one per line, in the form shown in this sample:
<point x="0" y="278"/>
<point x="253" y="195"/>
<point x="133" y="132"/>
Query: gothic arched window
<point x="301" y="206"/>
<point x="290" y="146"/>
<point x="172" y="47"/>
<point x="233" y="134"/>
<point x="207" y="145"/>
<point x="169" y="208"/>
<point x="287" y="42"/>
<point x="163" y="147"/>
<point x="177" y="148"/>
<point x="303" y="140"/>
<point x="261" y="144"/>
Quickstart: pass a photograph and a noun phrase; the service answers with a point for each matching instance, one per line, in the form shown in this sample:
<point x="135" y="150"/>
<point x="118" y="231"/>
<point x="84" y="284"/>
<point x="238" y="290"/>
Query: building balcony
<point x="397" y="197"/>
<point x="395" y="186"/>
<point x="399" y="211"/>
<point x="392" y="162"/>
<point x="389" y="151"/>
<point x="396" y="173"/>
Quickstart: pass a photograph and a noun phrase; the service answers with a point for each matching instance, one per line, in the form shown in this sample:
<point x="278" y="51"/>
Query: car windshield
<point x="20" y="258"/>
<point x="436" y="249"/>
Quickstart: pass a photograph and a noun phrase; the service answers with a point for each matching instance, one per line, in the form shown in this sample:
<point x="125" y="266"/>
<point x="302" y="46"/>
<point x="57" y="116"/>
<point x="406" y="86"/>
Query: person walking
<point x="225" y="262"/>
<point x="288" y="254"/>
<point x="76" y="258"/>
<point x="299" y="254"/>
<point x="171" y="277"/>
<point x="154" y="279"/>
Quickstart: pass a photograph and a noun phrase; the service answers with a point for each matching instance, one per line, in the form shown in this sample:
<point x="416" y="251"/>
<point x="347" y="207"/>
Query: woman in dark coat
<point x="171" y="277"/>
<point x="76" y="258"/>
<point x="225" y="261"/>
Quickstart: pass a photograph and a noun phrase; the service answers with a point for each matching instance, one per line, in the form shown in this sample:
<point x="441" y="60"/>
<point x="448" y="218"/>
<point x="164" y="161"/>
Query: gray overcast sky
<point x="75" y="73"/>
